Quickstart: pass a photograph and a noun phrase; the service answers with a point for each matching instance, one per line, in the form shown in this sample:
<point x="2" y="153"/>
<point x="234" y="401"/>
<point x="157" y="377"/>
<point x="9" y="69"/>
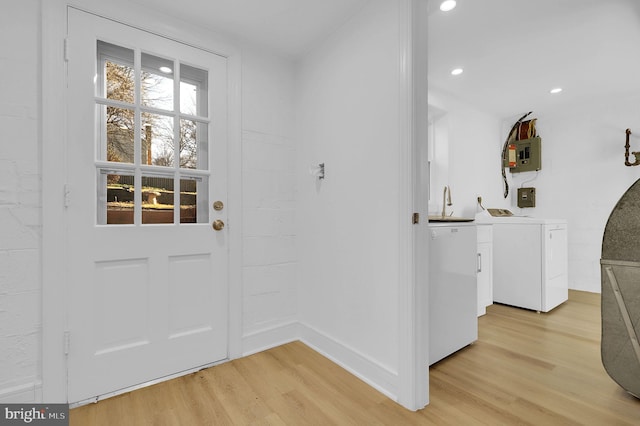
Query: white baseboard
<point x="366" y="369"/>
<point x="24" y="393"/>
<point x="361" y="366"/>
<point x="270" y="337"/>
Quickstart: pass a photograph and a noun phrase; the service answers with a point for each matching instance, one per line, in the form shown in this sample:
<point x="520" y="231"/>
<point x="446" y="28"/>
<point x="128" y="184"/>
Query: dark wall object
<point x="620" y="278"/>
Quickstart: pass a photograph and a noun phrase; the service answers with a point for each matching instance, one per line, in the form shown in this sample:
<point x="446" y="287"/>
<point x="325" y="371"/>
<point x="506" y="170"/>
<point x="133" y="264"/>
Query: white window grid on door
<point x="181" y="73"/>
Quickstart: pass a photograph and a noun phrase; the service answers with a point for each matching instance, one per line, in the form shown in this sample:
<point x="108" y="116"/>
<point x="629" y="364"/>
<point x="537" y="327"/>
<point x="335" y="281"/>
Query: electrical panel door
<point x="528" y="153"/>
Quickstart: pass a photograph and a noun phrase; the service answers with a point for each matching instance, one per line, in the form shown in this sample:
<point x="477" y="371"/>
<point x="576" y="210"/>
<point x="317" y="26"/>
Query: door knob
<point x="218" y="225"/>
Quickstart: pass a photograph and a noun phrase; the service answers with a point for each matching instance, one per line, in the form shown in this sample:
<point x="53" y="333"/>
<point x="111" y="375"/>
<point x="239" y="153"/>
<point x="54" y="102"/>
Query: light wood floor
<point x="525" y="368"/>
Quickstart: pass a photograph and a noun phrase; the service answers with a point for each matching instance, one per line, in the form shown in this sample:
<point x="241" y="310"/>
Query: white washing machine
<point x="530" y="262"/>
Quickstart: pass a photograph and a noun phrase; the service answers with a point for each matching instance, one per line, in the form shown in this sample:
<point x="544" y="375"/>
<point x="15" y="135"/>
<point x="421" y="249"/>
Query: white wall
<point x="474" y="146"/>
<point x="583" y="174"/>
<point x="348" y="118"/>
<point x="269" y="201"/>
<point x="20" y="205"/>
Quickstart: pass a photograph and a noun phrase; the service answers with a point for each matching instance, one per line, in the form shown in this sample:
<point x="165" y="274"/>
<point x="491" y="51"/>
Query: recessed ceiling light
<point x="456" y="71"/>
<point x="556" y="90"/>
<point x="447" y="5"/>
<point x="166" y="70"/>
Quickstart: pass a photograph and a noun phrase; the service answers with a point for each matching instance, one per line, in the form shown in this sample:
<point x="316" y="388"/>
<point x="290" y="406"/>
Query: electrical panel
<point x="524" y="155"/>
<point x="526" y="197"/>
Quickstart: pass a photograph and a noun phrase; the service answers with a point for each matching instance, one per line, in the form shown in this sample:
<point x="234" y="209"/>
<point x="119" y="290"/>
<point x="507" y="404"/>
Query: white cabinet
<point x="485" y="267"/>
<point x="453" y="293"/>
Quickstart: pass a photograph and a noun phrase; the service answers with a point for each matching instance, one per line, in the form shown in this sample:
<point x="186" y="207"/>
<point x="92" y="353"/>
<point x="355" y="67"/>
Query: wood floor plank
<point x="525" y="369"/>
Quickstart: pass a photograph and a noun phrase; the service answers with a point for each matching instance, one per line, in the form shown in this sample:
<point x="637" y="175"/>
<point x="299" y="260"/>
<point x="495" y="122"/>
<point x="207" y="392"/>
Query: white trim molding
<point x="270" y="337"/>
<point x="53" y="135"/>
<point x="24" y="393"/>
<point x="366" y="369"/>
<point x="413" y="275"/>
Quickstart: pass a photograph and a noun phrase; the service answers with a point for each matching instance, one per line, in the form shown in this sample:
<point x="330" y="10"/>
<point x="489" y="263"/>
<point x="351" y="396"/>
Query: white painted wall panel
<point x="474" y="141"/>
<point x="348" y="243"/>
<point x="20" y="206"/>
<point x="269" y="201"/>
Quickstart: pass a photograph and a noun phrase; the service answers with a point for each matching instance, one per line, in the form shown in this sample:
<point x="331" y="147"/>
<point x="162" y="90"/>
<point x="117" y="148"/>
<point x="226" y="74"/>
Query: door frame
<point x="53" y="133"/>
<point x="413" y="310"/>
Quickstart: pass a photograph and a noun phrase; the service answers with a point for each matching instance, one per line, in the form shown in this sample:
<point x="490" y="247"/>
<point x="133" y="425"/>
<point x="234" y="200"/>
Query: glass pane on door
<point x="157" y="199"/>
<point x="116" y="73"/>
<point x="188" y="201"/>
<point x="117" y="134"/>
<point x="194" y="206"/>
<point x="193" y="145"/>
<point x="115" y="198"/>
<point x="157" y="82"/>
<point x="193" y="91"/>
<point x="157" y="140"/>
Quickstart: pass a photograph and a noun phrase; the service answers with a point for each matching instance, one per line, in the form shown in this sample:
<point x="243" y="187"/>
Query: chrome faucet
<point x="446" y="200"/>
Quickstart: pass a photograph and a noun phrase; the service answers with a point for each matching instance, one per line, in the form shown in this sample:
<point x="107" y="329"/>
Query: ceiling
<point x="514" y="51"/>
<point x="288" y="27"/>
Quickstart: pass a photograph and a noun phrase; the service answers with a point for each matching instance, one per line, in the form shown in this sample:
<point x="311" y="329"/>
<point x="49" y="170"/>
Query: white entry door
<point x="146" y="180"/>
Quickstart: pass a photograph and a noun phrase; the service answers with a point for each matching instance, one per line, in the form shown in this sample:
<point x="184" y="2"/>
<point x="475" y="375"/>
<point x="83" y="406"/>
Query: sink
<point x="449" y="219"/>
